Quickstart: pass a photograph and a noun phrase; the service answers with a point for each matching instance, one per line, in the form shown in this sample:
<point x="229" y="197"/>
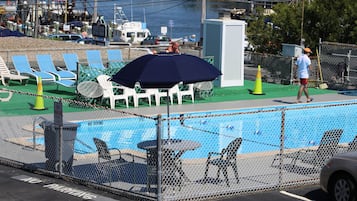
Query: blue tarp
<point x="8" y="32"/>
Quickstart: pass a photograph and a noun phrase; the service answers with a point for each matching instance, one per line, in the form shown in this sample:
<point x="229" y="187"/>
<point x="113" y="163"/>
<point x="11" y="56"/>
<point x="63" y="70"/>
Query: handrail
<point x="34" y="130"/>
<point x="85" y="144"/>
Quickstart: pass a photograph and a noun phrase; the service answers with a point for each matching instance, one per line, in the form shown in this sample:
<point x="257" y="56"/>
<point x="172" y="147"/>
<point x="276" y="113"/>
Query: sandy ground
<point x="31" y="47"/>
<point x="20" y="43"/>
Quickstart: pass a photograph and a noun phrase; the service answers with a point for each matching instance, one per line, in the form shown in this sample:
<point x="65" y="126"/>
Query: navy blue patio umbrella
<point x="164" y="71"/>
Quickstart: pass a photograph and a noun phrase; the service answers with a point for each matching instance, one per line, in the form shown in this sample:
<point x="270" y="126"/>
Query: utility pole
<point x="65" y="11"/>
<point x="203" y="17"/>
<point x="95" y="11"/>
<point x="35" y="35"/>
<point x="302" y="40"/>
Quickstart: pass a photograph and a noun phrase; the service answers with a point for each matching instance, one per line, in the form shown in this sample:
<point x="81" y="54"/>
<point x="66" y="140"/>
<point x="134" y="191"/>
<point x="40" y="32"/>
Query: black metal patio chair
<point x="109" y="156"/>
<point x="317" y="157"/>
<point x="227" y="157"/>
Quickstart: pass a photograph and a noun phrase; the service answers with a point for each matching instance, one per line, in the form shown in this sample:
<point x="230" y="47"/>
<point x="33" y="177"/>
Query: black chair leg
<point x="235" y="169"/>
<point x="226" y="175"/>
<point x="219" y="172"/>
<point x="206" y="174"/>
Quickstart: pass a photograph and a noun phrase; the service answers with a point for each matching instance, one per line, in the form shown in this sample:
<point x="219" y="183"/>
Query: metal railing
<point x="34" y="125"/>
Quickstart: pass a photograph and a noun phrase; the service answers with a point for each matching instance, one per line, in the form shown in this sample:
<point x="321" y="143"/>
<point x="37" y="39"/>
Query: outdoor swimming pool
<point x="260" y="131"/>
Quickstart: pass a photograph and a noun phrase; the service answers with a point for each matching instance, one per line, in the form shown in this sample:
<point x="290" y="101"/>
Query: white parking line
<point x="295" y="196"/>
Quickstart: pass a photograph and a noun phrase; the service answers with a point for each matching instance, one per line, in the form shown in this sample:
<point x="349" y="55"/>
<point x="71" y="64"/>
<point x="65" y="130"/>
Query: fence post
<point x="159" y="157"/>
<point x="348" y="64"/>
<point x="292" y="71"/>
<point x="282" y="137"/>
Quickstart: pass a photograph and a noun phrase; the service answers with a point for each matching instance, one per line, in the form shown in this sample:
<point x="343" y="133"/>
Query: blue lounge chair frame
<point x="94" y="59"/>
<point x="45" y="63"/>
<point x="23" y="67"/>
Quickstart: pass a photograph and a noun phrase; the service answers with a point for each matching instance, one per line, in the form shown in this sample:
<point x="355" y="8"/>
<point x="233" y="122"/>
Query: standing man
<point x="303" y="64"/>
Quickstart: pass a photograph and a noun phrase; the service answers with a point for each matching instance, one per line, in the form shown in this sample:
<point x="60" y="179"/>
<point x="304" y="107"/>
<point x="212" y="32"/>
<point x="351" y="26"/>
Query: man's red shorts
<point x="303" y="81"/>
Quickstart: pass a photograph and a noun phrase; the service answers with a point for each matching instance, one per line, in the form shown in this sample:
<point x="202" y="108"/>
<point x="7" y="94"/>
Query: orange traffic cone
<point x="39" y="102"/>
<point x="258" y="83"/>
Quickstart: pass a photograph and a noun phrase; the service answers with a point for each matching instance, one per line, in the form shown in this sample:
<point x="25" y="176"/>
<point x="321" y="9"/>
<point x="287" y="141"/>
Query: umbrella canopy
<point x="165" y="70"/>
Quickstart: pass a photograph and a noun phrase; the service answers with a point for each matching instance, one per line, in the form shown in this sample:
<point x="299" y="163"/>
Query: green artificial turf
<point x="21" y="103"/>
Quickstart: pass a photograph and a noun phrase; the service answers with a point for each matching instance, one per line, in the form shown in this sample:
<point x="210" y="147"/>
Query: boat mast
<point x="95" y="12"/>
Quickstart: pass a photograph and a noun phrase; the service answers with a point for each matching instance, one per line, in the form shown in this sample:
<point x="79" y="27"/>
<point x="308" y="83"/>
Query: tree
<point x="334" y="21"/>
<point x="262" y="34"/>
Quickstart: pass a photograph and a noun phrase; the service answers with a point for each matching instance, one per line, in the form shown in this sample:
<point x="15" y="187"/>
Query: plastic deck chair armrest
<point x="118" y="87"/>
<point x="14" y="72"/>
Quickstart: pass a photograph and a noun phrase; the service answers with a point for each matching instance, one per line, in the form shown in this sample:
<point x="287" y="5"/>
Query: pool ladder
<point x="34" y="130"/>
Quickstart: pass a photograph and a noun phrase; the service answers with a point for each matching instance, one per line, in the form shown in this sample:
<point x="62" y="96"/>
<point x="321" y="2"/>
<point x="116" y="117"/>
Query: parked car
<point x="156" y="40"/>
<point x="65" y="37"/>
<point x="91" y="41"/>
<point x="339" y="176"/>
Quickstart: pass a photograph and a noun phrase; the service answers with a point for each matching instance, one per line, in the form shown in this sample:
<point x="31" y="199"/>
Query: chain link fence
<point x="338" y="64"/>
<point x="280" y="69"/>
<point x="203" y="155"/>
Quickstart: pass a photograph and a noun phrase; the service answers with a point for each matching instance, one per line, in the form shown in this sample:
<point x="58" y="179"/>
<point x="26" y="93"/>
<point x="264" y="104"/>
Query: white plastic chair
<point x="6" y="74"/>
<point x="188" y="92"/>
<point x="137" y="96"/>
<point x="161" y="94"/>
<point x="108" y="91"/>
<point x="174" y="90"/>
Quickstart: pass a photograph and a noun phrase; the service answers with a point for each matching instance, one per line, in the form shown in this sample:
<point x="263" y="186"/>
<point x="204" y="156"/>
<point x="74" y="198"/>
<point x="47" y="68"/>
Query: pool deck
<point x="231" y="105"/>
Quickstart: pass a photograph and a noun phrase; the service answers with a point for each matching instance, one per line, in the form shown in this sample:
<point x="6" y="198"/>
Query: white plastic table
<point x="90" y="89"/>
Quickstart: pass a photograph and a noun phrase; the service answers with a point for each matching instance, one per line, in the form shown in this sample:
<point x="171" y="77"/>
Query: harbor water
<point x="181" y="17"/>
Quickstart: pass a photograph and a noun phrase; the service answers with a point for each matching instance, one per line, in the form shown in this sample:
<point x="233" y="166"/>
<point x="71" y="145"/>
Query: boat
<point x="237" y="14"/>
<point x="130" y="32"/>
<point x="133" y="32"/>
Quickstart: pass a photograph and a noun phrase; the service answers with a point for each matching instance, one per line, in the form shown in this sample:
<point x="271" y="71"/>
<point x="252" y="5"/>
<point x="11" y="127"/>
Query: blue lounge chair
<point x="94" y="59"/>
<point x="23" y="67"/>
<point x="71" y="60"/>
<point x="66" y="83"/>
<point x="45" y="64"/>
<point x="115" y="58"/>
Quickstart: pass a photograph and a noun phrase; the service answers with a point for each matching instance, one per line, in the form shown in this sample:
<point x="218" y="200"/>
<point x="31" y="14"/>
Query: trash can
<point x="52" y="131"/>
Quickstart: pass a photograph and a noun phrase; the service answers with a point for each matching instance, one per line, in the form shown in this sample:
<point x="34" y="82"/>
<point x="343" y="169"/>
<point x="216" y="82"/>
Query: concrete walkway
<point x="231" y="105"/>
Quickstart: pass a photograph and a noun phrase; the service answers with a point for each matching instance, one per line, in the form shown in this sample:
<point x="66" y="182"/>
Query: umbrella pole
<point x="168" y="114"/>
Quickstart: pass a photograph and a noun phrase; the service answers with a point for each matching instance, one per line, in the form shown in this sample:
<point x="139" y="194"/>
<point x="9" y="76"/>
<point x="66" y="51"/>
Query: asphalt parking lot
<point x="17" y="184"/>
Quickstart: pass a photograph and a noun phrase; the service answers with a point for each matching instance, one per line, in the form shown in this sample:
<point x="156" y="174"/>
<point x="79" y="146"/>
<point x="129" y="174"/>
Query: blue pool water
<point x="303" y="127"/>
